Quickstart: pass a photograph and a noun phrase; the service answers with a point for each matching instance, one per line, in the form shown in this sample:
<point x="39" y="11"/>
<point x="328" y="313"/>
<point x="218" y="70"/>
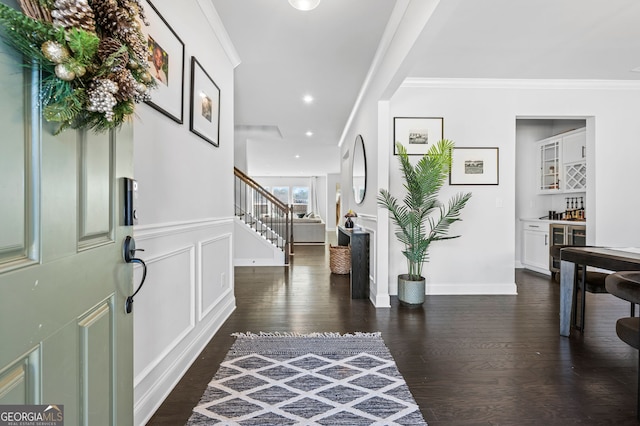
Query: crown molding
<point x="210" y="13"/>
<point x="488" y="83"/>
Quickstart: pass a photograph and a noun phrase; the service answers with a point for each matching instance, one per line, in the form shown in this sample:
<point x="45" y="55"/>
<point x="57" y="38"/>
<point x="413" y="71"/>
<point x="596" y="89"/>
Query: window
<point x="300" y="200"/>
<point x="281" y="193"/>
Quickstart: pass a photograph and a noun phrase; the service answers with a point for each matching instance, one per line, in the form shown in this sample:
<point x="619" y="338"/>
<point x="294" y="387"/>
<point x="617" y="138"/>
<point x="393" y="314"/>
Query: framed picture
<point x="474" y="166"/>
<point x="417" y="134"/>
<point x="166" y="65"/>
<point x="205" y="105"/>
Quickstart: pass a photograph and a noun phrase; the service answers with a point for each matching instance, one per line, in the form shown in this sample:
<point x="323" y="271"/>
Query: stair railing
<point x="263" y="212"/>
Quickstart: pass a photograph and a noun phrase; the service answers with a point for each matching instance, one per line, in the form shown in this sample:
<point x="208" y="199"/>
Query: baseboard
<point x="472" y="289"/>
<point x="544" y="271"/>
<point x="383" y="301"/>
<point x="258" y="262"/>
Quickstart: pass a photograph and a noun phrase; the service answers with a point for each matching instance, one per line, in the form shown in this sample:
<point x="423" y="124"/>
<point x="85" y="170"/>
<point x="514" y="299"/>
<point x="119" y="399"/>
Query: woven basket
<point x="339" y="259"/>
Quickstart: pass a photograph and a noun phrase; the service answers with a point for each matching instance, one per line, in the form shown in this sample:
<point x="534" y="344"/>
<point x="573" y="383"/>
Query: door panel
<point x="96" y="350"/>
<point x="18" y="381"/>
<point x="13" y="386"/>
<point x="60" y="372"/>
<point x="14" y="185"/>
<point x="59" y="194"/>
<point x="96" y="189"/>
<point x="65" y="336"/>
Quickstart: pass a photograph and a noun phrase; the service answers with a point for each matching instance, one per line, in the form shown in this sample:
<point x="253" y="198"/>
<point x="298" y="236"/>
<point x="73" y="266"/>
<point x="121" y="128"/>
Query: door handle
<point x="128" y="253"/>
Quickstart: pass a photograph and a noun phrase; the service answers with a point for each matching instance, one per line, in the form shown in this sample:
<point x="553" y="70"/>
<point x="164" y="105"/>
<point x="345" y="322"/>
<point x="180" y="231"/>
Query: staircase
<point x="259" y="210"/>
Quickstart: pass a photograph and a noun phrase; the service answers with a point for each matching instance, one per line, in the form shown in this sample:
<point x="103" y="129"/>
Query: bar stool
<point x="626" y="286"/>
<point x="588" y="281"/>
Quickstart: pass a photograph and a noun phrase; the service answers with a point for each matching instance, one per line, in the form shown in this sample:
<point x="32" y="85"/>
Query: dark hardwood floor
<point x="468" y="360"/>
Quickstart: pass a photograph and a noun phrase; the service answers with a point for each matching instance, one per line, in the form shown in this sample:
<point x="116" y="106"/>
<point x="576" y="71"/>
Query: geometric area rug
<point x="307" y="379"/>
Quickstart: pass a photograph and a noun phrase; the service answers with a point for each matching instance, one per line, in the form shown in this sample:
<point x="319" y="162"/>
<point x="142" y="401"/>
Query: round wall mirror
<point x="359" y="171"/>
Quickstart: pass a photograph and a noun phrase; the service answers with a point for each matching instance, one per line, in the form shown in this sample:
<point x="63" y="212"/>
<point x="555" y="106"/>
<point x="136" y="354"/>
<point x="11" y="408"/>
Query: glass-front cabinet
<point x="562" y="163"/>
<point x="549" y="166"/>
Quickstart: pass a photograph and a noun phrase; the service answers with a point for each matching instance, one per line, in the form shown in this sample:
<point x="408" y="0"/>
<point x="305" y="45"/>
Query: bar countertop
<point x="549" y="221"/>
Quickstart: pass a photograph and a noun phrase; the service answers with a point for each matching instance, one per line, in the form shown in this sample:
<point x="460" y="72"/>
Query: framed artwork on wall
<point x="417" y="134"/>
<point x="205" y="105"/>
<point x="474" y="166"/>
<point x="165" y="55"/>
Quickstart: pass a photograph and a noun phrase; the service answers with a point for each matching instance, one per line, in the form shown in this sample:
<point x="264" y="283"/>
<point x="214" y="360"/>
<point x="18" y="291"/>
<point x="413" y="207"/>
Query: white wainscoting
<point x="187" y="296"/>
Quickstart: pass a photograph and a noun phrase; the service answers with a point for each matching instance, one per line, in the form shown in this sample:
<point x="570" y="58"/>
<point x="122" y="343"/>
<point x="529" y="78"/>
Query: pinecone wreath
<point x="94" y="59"/>
<point x="73" y="14"/>
<point x="106" y="12"/>
<point x="107" y="50"/>
<point x="138" y="46"/>
<point x="127" y="85"/>
<point x="135" y="8"/>
<point x="128" y="30"/>
<point x="120" y="21"/>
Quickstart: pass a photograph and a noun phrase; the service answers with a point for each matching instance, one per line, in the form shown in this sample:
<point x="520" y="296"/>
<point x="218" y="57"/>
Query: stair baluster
<point x="264" y="213"/>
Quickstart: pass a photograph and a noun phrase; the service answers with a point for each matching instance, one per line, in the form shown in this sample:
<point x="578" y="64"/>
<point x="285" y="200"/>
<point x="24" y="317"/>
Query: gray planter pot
<point x="410" y="292"/>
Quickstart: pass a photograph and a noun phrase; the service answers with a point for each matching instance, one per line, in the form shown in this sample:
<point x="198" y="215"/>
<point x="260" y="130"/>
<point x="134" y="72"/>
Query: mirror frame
<point x="359" y="146"/>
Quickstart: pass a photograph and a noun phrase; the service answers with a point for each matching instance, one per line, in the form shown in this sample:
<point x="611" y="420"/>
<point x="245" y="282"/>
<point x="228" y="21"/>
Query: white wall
<point x="333" y="191"/>
<point x="240" y="151"/>
<point x="185" y="206"/>
<point x="483" y="113"/>
<point x="251" y="249"/>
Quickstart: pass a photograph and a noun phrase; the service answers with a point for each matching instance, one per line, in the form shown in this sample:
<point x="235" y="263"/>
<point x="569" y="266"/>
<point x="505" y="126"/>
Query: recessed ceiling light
<point x="307" y="99"/>
<point x="304" y="4"/>
<point x="297" y="156"/>
<point x="309" y="133"/>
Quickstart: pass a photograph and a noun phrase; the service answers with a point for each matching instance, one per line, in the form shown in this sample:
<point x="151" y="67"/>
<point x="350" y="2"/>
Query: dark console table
<point x="359" y="241"/>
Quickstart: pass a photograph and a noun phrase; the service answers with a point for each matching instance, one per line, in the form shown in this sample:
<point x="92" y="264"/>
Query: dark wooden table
<point x="612" y="259"/>
<point x="358" y="239"/>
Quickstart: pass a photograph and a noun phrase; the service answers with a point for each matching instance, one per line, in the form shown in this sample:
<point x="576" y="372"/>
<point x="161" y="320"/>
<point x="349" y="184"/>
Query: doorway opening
<point x="534" y="198"/>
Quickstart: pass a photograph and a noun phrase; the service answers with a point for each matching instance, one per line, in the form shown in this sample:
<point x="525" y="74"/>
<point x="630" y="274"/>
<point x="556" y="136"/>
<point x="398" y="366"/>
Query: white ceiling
<point x="327" y="53"/>
<point x="524" y="39"/>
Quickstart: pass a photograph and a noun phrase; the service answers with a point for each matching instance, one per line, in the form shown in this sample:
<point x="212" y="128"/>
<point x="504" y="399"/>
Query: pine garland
<point x="83" y="44"/>
<point x="67" y="108"/>
<point x="76" y="75"/>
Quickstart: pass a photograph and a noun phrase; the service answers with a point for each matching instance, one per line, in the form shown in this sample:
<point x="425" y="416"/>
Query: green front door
<point x="64" y="335"/>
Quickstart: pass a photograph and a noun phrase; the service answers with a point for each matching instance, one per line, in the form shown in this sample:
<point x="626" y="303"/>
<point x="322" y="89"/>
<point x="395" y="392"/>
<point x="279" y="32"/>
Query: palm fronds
<point x="422" y="218"/>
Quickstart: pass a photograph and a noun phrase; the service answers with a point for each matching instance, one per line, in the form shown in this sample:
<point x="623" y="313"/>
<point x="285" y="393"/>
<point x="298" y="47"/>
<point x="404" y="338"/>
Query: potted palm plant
<point x="421" y="218"/>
